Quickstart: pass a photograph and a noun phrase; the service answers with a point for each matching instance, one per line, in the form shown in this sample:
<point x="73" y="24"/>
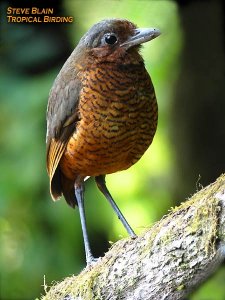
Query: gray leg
<point x="79" y="193"/>
<point x="100" y="180"/>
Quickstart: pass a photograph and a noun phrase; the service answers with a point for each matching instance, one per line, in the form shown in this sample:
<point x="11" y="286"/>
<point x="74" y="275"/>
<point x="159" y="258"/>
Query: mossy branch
<point x="168" y="261"/>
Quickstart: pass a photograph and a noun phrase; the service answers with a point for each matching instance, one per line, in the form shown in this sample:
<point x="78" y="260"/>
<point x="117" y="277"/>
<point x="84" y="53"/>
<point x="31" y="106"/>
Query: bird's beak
<point x="140" y="36"/>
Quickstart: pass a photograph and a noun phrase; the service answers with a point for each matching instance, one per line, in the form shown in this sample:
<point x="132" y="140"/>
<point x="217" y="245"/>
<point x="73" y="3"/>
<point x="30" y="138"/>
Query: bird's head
<point x="115" y="39"/>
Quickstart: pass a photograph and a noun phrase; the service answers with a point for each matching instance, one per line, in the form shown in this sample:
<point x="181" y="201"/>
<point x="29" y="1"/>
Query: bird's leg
<point x="79" y="193"/>
<point x="100" y="180"/>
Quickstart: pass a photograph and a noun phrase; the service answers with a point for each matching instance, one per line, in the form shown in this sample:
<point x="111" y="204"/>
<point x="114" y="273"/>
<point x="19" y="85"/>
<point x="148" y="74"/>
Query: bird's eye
<point x="110" y="38"/>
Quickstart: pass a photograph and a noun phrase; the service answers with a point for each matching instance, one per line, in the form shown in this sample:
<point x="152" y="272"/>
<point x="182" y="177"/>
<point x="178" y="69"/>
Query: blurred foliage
<point x="39" y="237"/>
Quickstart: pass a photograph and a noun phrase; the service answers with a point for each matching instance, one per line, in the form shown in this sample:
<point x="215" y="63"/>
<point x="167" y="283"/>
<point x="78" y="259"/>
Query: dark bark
<point x="198" y="108"/>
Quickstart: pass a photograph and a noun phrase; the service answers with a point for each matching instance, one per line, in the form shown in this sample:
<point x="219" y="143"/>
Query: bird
<point x="102" y="114"/>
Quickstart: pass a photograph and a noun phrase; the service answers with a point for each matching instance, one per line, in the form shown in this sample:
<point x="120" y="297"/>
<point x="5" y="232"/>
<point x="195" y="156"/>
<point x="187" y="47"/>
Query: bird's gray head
<point x="115" y="36"/>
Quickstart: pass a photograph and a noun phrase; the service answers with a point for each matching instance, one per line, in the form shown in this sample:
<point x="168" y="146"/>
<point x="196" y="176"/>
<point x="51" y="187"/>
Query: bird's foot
<point x="91" y="260"/>
<point x="133" y="236"/>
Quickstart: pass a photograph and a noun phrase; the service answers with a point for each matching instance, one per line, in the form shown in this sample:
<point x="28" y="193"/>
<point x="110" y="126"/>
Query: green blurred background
<point x="40" y="238"/>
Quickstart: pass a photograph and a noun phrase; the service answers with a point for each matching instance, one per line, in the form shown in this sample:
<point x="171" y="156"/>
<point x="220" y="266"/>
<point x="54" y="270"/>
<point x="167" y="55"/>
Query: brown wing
<point x="62" y="116"/>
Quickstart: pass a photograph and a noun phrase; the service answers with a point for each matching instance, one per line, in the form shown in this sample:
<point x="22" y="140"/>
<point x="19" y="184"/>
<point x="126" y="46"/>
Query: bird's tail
<point x="67" y="186"/>
<point x="59" y="184"/>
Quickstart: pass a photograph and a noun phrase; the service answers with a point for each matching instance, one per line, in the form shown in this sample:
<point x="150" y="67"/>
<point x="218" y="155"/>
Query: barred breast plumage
<point x="118" y="119"/>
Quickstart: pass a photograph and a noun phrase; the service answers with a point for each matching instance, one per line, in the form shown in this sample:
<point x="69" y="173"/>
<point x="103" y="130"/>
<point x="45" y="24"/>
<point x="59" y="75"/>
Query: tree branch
<point x="168" y="261"/>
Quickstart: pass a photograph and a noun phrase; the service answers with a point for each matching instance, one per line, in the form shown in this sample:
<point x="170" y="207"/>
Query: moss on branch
<point x="167" y="261"/>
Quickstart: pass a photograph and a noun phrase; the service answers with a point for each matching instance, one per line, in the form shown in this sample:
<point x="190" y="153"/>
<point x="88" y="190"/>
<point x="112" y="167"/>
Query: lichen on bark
<point x="167" y="261"/>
